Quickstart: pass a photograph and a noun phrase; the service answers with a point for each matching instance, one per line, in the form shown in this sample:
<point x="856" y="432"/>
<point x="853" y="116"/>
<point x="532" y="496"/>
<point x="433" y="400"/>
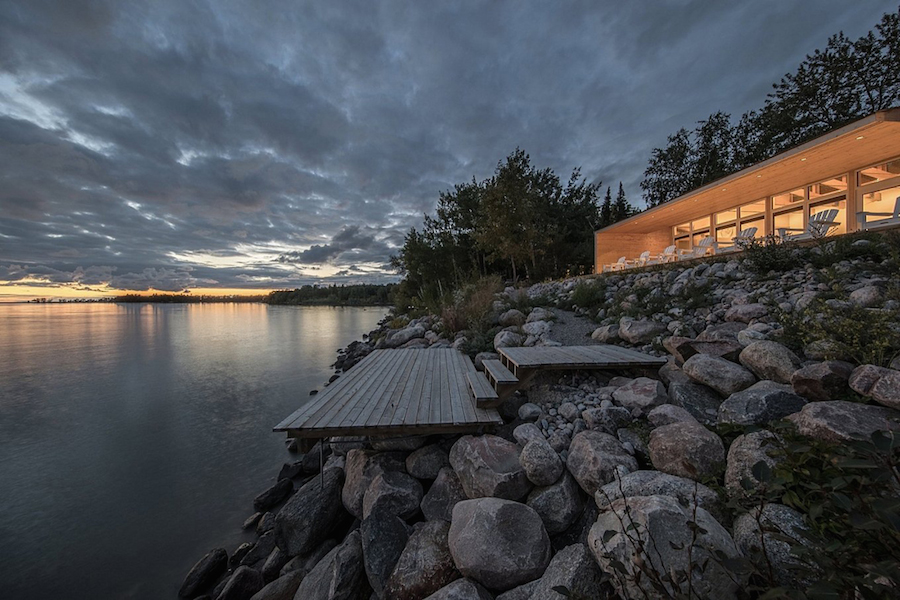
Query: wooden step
<point x="499" y="374"/>
<point x="485" y="395"/>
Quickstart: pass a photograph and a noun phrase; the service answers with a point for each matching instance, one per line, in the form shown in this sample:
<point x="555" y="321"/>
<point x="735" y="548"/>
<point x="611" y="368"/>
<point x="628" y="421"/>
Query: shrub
<point x="589" y="295"/>
<point x="765" y="255"/>
<point x="472" y="306"/>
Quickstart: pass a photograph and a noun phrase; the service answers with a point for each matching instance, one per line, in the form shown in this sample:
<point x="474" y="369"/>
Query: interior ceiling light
<point x="859" y="137"/>
<point x="802" y="160"/>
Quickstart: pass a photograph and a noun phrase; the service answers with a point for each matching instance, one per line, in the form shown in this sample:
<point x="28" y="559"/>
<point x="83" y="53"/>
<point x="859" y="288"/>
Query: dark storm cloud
<point x="171" y="144"/>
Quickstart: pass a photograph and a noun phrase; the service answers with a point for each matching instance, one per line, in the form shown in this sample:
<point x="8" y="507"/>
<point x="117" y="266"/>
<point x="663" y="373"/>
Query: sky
<point x="240" y="146"/>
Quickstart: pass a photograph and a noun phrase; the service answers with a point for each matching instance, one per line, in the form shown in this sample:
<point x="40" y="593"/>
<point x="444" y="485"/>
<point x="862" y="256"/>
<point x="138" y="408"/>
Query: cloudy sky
<point x="176" y="144"/>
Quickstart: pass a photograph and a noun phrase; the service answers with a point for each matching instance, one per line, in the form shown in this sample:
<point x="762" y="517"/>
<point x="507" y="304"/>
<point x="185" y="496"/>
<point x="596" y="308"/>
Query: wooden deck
<point x="396" y="392"/>
<point x="603" y="356"/>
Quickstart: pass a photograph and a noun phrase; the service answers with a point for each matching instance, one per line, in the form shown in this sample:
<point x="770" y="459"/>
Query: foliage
<point x="183" y="298"/>
<point x="521" y="221"/>
<point x="848" y="494"/>
<point x="862" y="335"/>
<point x="767" y="254"/>
<point x="472" y="306"/>
<point x="589" y="294"/>
<point x="335" y="295"/>
<point x="830" y="88"/>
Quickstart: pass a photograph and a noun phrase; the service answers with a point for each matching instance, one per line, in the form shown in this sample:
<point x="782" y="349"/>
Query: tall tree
<point x="606" y="209"/>
<point x="622" y="209"/>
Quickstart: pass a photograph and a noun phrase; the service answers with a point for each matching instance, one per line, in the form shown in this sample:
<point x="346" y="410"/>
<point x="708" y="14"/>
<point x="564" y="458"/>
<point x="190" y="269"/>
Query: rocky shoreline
<point x="590" y="469"/>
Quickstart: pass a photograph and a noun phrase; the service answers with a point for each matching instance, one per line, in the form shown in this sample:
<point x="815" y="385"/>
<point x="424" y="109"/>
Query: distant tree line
<point x="522" y="222"/>
<point x="335" y="295"/>
<point x="184" y="298"/>
<point x="831" y="88"/>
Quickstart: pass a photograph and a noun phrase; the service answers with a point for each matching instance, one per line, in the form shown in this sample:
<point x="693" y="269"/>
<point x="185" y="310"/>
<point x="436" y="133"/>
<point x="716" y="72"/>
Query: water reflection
<point x="133" y="437"/>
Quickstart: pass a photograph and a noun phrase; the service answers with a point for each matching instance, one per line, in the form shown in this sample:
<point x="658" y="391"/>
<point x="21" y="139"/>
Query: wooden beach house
<point x="844" y="181"/>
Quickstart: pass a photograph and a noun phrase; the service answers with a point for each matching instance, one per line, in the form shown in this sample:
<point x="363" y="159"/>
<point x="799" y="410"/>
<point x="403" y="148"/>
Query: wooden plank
<point x="480" y="387"/>
<point x="470" y="410"/>
<point x="411" y="395"/>
<point x="387" y="404"/>
<point x="377" y="397"/>
<point x="457" y="412"/>
<point x="499" y="374"/>
<point x="398" y="413"/>
<point x="322" y="400"/>
<point x="434" y="396"/>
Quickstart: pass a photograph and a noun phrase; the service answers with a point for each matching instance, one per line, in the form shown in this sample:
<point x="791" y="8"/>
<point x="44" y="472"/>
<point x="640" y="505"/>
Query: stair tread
<point x="481" y="387"/>
<point x="499" y="373"/>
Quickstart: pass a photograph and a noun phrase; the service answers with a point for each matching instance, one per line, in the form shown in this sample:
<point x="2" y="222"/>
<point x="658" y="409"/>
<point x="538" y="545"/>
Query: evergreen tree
<point x="606" y="209"/>
<point x="622" y="209"/>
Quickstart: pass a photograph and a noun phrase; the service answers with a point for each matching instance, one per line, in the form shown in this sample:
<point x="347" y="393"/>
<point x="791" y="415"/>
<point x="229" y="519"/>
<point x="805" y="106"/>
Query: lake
<point x="133" y="437"/>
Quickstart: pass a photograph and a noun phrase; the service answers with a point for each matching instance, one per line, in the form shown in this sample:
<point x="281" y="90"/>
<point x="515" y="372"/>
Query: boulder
<point x="822" y="381"/>
<point x="879" y="383"/>
<point x="842" y="421"/>
<point x="426" y="462"/>
<point x="539" y="314"/>
<point x="522" y="592"/>
<point x="340" y="575"/>
<point x="761" y="403"/>
<point x="607" y="334"/>
<point x="537" y="328"/>
<point x="641" y="395"/>
<point x="383" y="537"/>
<point x="640" y="332"/>
<point x="461" y="589"/>
<point x="722" y="331"/>
<point x="273" y="565"/>
<point x="574" y="569"/>
<point x="569" y="411"/>
<point x="657" y="483"/>
<point x="541" y="463"/>
<point x="442" y="496"/>
<point x="483" y="356"/>
<point x="291" y="470"/>
<point x="530" y="412"/>
<point x="361" y="468"/>
<point x="684" y="348"/>
<point x="424" y="566"/>
<point x="261" y="550"/>
<point x="770" y="360"/>
<point x="745" y="451"/>
<point x="402" y="336"/>
<point x="667" y="414"/>
<point x="508" y="339"/>
<point x="266" y="523"/>
<point x="512" y="317"/>
<point x="282" y="588"/>
<point x="311" y="514"/>
<point x="527" y="432"/>
<point x="594" y="458"/>
<point x="744" y="313"/>
<point x="307" y="562"/>
<point x="671" y="373"/>
<point x="498" y="543"/>
<point x="395" y="493"/>
<point x="239" y="553"/>
<point x="769" y="527"/>
<point x="607" y="419"/>
<point x="558" y="505"/>
<point x="717" y="373"/>
<point x="488" y="465"/>
<point x="204" y="573"/>
<point x="866" y="297"/>
<point x="242" y="584"/>
<point x="687" y="449"/>
<point x="627" y="519"/>
<point x="700" y="401"/>
<point x="397" y="444"/>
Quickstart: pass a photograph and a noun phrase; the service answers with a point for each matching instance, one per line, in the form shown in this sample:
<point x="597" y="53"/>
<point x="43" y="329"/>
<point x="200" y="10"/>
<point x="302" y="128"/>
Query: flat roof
<point x="867" y="141"/>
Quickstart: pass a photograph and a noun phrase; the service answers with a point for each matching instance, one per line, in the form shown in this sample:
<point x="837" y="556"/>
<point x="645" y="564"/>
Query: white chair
<point x="738" y="241"/>
<point x="646" y="259"/>
<point x="893" y="218"/>
<point x="670" y="254"/>
<point x="819" y="225"/>
<point x="706" y="246"/>
<point x="619" y="265"/>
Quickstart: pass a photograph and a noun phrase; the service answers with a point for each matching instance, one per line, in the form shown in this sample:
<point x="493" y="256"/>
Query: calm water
<point x="133" y="438"/>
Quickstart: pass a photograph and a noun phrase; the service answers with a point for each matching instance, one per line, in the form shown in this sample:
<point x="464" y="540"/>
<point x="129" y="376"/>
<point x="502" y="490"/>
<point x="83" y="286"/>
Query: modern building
<point x="854" y="169"/>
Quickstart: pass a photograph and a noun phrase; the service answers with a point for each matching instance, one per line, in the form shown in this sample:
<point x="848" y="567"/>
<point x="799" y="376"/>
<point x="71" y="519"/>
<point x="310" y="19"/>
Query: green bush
<point x="769" y="254"/>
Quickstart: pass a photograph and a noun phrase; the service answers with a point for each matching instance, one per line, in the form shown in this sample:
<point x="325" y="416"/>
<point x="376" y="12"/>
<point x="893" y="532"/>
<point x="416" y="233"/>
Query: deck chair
<point x="670" y="254"/>
<point x="646" y="259"/>
<point x="819" y="225"/>
<point x="893" y="218"/>
<point x="704" y="247"/>
<point x="619" y="265"/>
<point x="738" y="241"/>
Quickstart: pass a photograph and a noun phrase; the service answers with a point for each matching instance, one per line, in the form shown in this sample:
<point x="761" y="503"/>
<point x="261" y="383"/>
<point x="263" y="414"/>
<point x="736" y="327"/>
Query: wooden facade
<point x="854" y="169"/>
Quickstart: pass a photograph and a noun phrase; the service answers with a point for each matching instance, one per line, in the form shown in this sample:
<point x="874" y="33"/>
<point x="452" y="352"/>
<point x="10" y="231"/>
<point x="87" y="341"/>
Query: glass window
<point x="788" y="198"/>
<point x="760" y="225"/>
<point x="699" y="236"/>
<point x="829" y="186"/>
<point x="757" y="207"/>
<point x="879" y="172"/>
<point x="726" y="234"/>
<point x="700" y="224"/>
<point x="683" y="229"/>
<point x="789" y="222"/>
<point x="726" y="215"/>
<point x="840" y="221"/>
<point x="881" y="205"/>
<point x="683" y="243"/>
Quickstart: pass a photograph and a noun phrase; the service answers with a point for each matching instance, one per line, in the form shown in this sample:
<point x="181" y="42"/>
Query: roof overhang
<point x="867" y="141"/>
